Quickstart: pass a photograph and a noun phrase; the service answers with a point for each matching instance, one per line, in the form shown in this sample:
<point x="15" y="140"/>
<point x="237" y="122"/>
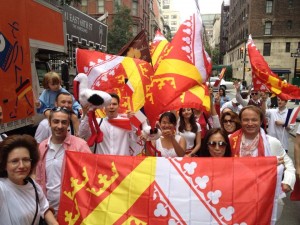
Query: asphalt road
<point x="291" y="210"/>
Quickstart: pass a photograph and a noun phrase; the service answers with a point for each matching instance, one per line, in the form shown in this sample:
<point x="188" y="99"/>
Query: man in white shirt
<point x="116" y="131"/>
<point x="276" y="121"/>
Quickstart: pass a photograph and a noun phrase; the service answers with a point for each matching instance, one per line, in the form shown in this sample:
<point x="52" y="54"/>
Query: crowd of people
<point x="238" y="127"/>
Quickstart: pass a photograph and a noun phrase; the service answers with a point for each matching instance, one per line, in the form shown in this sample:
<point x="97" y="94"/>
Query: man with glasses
<point x="52" y="152"/>
<point x="63" y="99"/>
<point x="254" y="96"/>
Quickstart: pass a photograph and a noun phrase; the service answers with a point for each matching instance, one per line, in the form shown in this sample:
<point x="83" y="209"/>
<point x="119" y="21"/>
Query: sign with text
<point x="84" y="29"/>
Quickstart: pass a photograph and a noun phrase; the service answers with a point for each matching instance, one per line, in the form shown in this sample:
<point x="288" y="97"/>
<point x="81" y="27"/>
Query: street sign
<point x="297" y="55"/>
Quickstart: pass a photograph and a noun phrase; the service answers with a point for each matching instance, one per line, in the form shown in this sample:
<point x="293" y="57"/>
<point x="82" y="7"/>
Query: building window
<point x="173" y="23"/>
<point x="173" y="16"/>
<point x="166" y="16"/>
<point x="288" y="47"/>
<point x="84" y="6"/>
<point x="100" y="6"/>
<point x="118" y="2"/>
<point x="134" y="29"/>
<point x="290" y="3"/>
<point x="289" y="24"/>
<point x="166" y="4"/>
<point x="269" y="6"/>
<point x="134" y="9"/>
<point x="267" y="49"/>
<point x="173" y="28"/>
<point x="268" y="28"/>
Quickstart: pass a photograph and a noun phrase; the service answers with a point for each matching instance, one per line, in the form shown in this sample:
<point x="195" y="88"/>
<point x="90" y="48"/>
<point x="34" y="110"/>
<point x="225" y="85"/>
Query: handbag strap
<point x="36" y="198"/>
<point x="95" y="146"/>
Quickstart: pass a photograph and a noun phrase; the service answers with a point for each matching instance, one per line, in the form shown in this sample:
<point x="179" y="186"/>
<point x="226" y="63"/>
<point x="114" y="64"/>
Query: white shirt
<point x="164" y="151"/>
<point x="229" y="105"/>
<point x="54" y="161"/>
<point x="278" y="132"/>
<point x="18" y="203"/>
<point x="115" y="139"/>
<point x="190" y="137"/>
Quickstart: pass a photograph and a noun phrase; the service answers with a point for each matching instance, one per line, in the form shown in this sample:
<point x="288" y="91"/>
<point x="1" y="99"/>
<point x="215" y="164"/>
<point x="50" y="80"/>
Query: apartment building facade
<point x="275" y="29"/>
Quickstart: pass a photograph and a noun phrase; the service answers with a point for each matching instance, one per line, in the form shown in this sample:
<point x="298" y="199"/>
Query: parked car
<point x="225" y="84"/>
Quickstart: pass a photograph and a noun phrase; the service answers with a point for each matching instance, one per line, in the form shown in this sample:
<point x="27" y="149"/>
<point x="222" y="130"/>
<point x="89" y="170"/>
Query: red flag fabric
<point x="158" y="48"/>
<point x="217" y="82"/>
<point x="138" y="47"/>
<point x="108" y="189"/>
<point x="265" y="80"/>
<point x="124" y="76"/>
<point x="180" y="73"/>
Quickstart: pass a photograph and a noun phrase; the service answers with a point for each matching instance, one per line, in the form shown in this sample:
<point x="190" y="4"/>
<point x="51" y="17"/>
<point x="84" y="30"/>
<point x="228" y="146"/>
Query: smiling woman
<point x="18" y="205"/>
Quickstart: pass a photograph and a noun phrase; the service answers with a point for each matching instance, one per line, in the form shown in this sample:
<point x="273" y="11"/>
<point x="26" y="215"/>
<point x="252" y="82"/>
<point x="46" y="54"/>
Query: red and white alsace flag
<point x="108" y="189"/>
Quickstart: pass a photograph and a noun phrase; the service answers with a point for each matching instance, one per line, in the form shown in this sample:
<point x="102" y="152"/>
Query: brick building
<point x="275" y="29"/>
<point x="145" y="13"/>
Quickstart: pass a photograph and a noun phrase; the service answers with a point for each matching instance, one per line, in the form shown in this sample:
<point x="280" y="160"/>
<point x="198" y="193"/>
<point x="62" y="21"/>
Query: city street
<point x="290" y="214"/>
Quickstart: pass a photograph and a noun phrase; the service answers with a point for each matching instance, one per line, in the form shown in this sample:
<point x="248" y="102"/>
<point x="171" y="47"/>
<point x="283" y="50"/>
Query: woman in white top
<point x="18" y="158"/>
<point x="169" y="144"/>
<point x="189" y="129"/>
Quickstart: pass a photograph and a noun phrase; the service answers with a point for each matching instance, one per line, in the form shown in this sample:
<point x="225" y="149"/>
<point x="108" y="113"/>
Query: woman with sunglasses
<point x="230" y="122"/>
<point x="215" y="144"/>
<point x="190" y="130"/>
<point x="19" y="193"/>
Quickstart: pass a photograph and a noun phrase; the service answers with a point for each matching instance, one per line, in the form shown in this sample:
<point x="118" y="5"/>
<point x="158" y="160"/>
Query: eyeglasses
<point x="220" y="144"/>
<point x="60" y="109"/>
<point x="228" y="121"/>
<point x="254" y="93"/>
<point x="16" y="162"/>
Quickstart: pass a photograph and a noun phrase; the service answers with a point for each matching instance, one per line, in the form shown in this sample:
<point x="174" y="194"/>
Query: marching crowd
<point x="238" y="127"/>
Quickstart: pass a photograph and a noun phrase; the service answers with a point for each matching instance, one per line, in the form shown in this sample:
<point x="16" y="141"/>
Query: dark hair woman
<point x="215" y="144"/>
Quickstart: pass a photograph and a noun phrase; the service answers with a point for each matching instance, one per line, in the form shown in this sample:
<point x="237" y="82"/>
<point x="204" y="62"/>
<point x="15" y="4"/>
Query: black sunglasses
<point x="254" y="93"/>
<point x="220" y="144"/>
<point x="60" y="109"/>
<point x="228" y="121"/>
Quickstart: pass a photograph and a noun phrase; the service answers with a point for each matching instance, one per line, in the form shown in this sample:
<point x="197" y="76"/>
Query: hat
<point x="234" y="101"/>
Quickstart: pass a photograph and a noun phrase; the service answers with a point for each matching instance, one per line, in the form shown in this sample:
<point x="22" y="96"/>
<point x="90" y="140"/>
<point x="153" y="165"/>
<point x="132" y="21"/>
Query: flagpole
<point x="244" y="62"/>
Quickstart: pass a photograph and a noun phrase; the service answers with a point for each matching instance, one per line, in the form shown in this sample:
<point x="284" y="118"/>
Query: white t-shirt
<point x="190" y="137"/>
<point x="18" y="203"/>
<point x="278" y="132"/>
<point x="54" y="161"/>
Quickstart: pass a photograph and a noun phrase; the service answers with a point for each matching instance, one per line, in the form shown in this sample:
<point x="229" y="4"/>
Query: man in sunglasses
<point x="52" y="152"/>
<point x="43" y="131"/>
<point x="254" y="96"/>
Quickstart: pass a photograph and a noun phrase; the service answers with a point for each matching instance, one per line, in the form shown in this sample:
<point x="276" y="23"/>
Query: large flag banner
<point x="107" y="189"/>
<point x="182" y="69"/>
<point x="138" y="47"/>
<point x="265" y="80"/>
<point x="124" y="76"/>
